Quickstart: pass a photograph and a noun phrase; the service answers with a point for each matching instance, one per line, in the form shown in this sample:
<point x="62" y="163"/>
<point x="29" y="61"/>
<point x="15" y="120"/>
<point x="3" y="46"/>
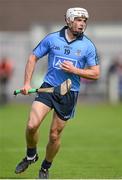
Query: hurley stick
<point x="62" y="89"/>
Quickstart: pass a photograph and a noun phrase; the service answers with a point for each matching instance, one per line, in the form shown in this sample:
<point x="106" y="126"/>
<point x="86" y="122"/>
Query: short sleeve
<point x="42" y="48"/>
<point x="92" y="56"/>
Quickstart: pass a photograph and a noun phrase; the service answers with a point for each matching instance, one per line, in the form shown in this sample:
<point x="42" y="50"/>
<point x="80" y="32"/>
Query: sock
<point x="31" y="152"/>
<point x="46" y="164"/>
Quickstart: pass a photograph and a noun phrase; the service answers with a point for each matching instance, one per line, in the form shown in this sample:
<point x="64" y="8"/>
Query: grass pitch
<point x="91" y="143"/>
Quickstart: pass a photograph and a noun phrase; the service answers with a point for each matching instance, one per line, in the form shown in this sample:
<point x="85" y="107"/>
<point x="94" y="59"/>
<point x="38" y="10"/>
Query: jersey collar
<point x="62" y="34"/>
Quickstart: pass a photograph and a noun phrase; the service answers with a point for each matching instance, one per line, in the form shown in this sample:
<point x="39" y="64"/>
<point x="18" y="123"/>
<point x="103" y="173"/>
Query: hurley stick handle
<point x="18" y="91"/>
<point x="33" y="90"/>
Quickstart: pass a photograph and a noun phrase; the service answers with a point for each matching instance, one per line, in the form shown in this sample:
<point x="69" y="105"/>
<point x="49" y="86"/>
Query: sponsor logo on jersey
<point x="58" y="60"/>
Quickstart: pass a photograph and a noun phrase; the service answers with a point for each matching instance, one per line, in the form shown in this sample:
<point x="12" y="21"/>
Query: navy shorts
<point x="64" y="105"/>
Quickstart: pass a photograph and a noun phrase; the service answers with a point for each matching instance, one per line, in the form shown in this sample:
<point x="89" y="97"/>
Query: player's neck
<point x="69" y="36"/>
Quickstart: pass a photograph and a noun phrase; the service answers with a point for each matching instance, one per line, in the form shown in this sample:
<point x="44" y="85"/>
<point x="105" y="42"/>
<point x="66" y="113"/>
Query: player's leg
<point x="37" y="114"/>
<point x="53" y="145"/>
<point x="64" y="109"/>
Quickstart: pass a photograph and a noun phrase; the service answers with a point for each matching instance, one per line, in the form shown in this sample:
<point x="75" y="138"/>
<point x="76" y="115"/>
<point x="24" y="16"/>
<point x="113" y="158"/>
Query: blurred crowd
<point x="114" y="78"/>
<point x="6" y="71"/>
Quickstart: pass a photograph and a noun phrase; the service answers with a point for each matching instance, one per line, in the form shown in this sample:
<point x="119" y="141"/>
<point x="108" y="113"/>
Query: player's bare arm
<point x="92" y="72"/>
<point x="29" y="69"/>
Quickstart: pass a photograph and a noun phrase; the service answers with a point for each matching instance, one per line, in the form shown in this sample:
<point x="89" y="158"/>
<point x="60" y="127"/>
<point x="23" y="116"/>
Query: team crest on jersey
<point x="58" y="60"/>
<point x="78" y="53"/>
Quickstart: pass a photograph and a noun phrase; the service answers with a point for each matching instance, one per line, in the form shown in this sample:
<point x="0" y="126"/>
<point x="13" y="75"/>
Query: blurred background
<point x="23" y="23"/>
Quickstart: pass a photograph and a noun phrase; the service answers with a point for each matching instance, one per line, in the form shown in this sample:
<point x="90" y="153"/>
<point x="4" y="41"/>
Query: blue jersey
<point x="81" y="52"/>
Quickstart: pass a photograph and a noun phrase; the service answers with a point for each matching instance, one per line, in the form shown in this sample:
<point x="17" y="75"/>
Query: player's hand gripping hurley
<point x="62" y="89"/>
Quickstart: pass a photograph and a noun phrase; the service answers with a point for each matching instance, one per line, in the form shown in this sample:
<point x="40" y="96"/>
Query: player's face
<point x="79" y="24"/>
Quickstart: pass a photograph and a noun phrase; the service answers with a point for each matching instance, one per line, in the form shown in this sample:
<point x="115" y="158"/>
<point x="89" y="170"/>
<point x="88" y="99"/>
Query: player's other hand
<point x="68" y="66"/>
<point x="25" y="89"/>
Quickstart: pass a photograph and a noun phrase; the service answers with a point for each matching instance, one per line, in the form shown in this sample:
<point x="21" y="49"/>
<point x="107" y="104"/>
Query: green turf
<point x="91" y="143"/>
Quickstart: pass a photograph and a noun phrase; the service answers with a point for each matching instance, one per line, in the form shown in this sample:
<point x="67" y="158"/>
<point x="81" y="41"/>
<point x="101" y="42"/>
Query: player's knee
<point x="54" y="137"/>
<point x="31" y="127"/>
